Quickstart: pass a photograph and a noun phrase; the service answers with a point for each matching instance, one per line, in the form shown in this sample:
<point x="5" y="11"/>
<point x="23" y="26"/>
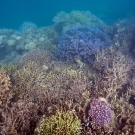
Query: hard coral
<point x="30" y="74"/>
<point x="28" y="28"/>
<point x="82" y="17"/>
<point x="4" y="81"/>
<point x="99" y="112"/>
<point x="62" y="123"/>
<point x="68" y="84"/>
<point x="116" y="66"/>
<point x="36" y="55"/>
<point x="81" y="42"/>
<point x="20" y="119"/>
<point x="79" y="17"/>
<point x="5" y="84"/>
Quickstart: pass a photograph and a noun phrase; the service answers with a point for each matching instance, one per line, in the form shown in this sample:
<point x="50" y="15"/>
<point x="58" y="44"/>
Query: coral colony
<point x="100" y="112"/>
<point x="81" y="43"/>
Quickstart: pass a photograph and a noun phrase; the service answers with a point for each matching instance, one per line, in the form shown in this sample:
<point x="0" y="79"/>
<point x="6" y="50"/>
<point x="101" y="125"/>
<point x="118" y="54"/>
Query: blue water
<point x="41" y="12"/>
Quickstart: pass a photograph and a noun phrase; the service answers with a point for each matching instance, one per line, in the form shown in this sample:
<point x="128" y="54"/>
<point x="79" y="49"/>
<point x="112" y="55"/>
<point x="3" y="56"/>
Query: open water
<point x="41" y="12"/>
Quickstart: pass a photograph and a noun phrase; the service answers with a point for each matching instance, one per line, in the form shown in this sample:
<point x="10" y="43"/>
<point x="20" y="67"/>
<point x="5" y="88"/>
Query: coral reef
<point x="60" y="123"/>
<point x="72" y="94"/>
<point x="15" y="43"/>
<point x="81" y="43"/>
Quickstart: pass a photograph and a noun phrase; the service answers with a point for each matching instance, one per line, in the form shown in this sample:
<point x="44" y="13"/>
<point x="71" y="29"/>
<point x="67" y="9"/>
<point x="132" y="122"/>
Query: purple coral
<point x="99" y="112"/>
<point x="81" y="43"/>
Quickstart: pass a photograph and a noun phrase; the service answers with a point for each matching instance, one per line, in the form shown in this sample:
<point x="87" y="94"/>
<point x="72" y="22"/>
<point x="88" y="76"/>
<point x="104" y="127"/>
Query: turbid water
<point x="14" y="13"/>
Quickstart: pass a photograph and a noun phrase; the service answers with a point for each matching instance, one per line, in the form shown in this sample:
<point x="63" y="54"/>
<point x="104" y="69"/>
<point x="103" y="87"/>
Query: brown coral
<point x="115" y="66"/>
<point x="69" y="84"/>
<point x="30" y="74"/>
<point x="20" y="119"/>
<point x="5" y="88"/>
<point x="4" y="81"/>
<point x="38" y="56"/>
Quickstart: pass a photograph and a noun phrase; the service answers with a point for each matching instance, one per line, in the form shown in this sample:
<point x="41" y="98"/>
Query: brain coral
<point x="81" y="43"/>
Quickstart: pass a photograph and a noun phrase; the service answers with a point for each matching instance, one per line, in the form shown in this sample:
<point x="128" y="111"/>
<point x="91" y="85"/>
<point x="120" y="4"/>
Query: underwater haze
<point x="14" y="13"/>
<point x="67" y="67"/>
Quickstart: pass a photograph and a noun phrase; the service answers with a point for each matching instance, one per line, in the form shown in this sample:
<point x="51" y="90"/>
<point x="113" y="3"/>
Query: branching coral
<point x="69" y="84"/>
<point x="124" y="121"/>
<point x="66" y="95"/>
<point x="20" y="119"/>
<point x="30" y="74"/>
<point x="10" y="68"/>
<point x="60" y="123"/>
<point x="4" y="81"/>
<point x="81" y="43"/>
<point x="124" y="34"/>
<point x="81" y="17"/>
<point x="48" y="38"/>
<point x="5" y="88"/>
<point x="115" y="66"/>
<point x="61" y="17"/>
<point x="122" y="112"/>
<point x="100" y="112"/>
<point x="36" y="55"/>
<point x="28" y="28"/>
<point x="27" y="78"/>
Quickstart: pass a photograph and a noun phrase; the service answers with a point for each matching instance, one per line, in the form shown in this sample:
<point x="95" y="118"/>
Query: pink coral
<point x="100" y="112"/>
